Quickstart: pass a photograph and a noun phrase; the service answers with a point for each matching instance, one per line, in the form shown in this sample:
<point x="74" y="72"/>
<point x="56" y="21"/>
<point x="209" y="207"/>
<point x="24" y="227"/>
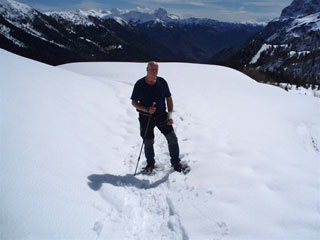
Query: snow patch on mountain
<point x="76" y="17"/>
<point x="120" y="21"/>
<point x="94" y="13"/>
<point x="263" y="48"/>
<point x="312" y="20"/>
<point x="5" y="31"/>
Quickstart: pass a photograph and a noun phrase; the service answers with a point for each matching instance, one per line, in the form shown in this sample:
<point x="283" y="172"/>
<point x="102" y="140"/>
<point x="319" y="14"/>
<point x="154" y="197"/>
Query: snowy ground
<point x="70" y="141"/>
<point x="301" y="90"/>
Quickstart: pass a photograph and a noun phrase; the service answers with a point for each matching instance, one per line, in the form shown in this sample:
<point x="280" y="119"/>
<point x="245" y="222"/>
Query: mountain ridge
<point x="140" y="16"/>
<point x="61" y="37"/>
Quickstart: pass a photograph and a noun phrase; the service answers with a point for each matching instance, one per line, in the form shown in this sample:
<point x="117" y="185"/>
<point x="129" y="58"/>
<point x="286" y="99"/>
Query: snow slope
<point x="69" y="145"/>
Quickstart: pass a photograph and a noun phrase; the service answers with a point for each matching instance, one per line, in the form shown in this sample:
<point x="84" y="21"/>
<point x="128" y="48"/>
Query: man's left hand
<point x="169" y="121"/>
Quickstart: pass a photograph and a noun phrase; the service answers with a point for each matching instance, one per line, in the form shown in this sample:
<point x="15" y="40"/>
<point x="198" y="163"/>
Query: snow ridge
<point x="15" y="10"/>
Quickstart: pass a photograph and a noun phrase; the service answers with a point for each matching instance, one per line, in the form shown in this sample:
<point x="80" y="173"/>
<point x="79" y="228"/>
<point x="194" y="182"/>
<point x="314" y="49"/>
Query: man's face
<point x="152" y="70"/>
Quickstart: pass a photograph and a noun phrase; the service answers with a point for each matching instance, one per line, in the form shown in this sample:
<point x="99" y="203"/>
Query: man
<point x="150" y="96"/>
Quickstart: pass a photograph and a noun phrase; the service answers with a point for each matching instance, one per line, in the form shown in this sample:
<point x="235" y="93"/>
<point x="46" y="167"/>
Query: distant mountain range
<point x="115" y="35"/>
<point x="287" y="50"/>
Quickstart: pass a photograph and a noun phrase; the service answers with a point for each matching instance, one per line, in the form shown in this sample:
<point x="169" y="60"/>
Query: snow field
<point x="71" y="141"/>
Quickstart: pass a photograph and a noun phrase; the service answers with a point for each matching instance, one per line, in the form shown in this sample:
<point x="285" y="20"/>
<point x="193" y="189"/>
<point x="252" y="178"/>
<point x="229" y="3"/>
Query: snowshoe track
<point x="150" y="212"/>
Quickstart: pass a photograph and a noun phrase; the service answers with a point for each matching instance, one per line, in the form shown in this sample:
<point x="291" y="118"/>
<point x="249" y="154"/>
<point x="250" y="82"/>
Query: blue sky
<point x="224" y="10"/>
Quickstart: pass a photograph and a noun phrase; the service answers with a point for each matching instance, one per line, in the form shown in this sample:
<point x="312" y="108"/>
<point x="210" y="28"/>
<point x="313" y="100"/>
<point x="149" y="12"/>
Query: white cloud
<point x="88" y="4"/>
<point x="199" y="4"/>
<point x="268" y="4"/>
<point x="66" y="6"/>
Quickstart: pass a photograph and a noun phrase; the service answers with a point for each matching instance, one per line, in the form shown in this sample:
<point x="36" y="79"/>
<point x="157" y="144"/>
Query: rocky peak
<point x="301" y="8"/>
<point x="161" y="13"/>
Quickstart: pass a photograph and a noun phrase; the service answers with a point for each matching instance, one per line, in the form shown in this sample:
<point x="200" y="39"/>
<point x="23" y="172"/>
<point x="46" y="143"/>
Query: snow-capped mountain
<point x="301" y="17"/>
<point x="61" y="38"/>
<point x="15" y="10"/>
<point x="191" y="39"/>
<point x="288" y="49"/>
<point x="23" y="17"/>
<point x="140" y="16"/>
<point x="134" y="17"/>
<point x="115" y="35"/>
<point x="78" y="17"/>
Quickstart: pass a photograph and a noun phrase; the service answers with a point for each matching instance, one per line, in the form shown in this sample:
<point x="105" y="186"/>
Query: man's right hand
<point x="152" y="109"/>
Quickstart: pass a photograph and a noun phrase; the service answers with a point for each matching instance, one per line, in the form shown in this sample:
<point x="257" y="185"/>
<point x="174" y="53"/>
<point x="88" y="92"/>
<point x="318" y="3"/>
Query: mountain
<point x="70" y="141"/>
<point x="192" y="39"/>
<point x="288" y="49"/>
<point x="115" y="35"/>
<point x="59" y="39"/>
<point x="301" y="8"/>
<point x="140" y="16"/>
<point x="198" y="40"/>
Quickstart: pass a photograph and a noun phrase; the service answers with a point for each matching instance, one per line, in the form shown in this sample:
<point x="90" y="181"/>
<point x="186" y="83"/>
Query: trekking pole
<point x="145" y="134"/>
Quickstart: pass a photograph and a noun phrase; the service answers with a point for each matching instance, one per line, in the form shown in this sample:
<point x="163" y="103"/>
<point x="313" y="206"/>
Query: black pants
<point x="159" y="121"/>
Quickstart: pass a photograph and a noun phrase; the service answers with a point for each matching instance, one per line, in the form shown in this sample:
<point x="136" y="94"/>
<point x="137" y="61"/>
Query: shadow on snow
<point x="129" y="180"/>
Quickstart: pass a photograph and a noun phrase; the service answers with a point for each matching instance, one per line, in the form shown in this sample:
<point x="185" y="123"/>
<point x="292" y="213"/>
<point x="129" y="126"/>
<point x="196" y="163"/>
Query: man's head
<point x="152" y="69"/>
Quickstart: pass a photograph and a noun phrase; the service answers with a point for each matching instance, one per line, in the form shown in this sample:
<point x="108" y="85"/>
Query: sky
<point x="223" y="10"/>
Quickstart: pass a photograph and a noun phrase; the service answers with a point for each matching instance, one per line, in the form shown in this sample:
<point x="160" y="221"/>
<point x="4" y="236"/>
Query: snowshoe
<point x="182" y="167"/>
<point x="148" y="170"/>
